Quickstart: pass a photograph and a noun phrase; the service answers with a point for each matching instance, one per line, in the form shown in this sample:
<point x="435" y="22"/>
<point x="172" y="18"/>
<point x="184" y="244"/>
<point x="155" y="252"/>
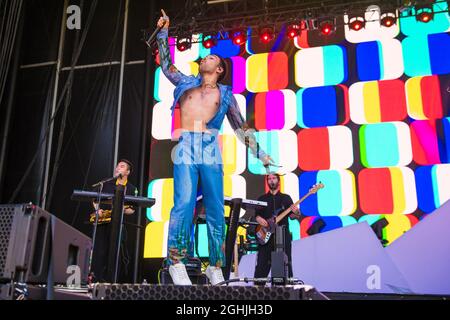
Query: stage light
<point x="266" y="35"/>
<point x="316" y="227"/>
<point x="357" y="24"/>
<point x="183" y="43"/>
<point x="326" y="27"/>
<point x="424" y="14"/>
<point x="388" y="20"/>
<point x="209" y="41"/>
<point x="293" y="30"/>
<point x="238" y="37"/>
<point x="378" y="227"/>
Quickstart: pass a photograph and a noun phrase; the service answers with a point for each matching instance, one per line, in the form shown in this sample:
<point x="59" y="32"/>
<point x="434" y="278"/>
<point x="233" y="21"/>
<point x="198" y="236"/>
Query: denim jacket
<point x="228" y="105"/>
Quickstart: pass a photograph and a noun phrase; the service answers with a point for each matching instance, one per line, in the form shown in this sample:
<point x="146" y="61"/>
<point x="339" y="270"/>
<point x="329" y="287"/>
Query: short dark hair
<point x="223" y="65"/>
<point x="128" y="162"/>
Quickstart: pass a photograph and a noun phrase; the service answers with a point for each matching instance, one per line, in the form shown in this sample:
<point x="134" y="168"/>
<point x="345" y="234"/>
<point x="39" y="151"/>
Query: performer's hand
<point x="164" y="21"/>
<point x="267" y="160"/>
<point x="262" y="221"/>
<point x="295" y="216"/>
<point x="100" y="213"/>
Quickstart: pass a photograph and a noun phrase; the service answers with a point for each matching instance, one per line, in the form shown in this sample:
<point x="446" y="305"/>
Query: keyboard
<point x="246" y="203"/>
<point x="89" y="196"/>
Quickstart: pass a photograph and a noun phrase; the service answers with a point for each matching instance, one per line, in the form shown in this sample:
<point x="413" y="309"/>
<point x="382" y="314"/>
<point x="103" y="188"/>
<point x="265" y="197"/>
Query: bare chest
<point x="205" y="98"/>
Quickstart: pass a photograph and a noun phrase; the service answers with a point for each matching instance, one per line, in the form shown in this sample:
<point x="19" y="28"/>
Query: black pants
<point x="263" y="264"/>
<point x="101" y="253"/>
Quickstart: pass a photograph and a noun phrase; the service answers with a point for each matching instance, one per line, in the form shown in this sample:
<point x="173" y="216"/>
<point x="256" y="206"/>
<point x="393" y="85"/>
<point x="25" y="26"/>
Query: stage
<point x="352" y="97"/>
<point x="134" y="292"/>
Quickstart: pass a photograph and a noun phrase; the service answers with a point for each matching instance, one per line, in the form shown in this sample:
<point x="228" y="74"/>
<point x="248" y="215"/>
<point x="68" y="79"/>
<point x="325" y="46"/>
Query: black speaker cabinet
<point x="104" y="291"/>
<point x="24" y="243"/>
<point x="29" y="236"/>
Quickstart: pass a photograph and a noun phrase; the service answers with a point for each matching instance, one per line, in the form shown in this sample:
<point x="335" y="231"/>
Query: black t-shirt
<point x="276" y="204"/>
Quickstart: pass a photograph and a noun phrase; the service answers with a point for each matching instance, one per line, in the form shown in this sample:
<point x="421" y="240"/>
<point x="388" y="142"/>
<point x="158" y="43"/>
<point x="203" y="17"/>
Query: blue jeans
<point x="197" y="156"/>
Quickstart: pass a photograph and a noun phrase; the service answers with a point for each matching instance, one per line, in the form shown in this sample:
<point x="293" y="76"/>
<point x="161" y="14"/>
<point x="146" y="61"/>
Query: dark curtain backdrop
<point x="83" y="140"/>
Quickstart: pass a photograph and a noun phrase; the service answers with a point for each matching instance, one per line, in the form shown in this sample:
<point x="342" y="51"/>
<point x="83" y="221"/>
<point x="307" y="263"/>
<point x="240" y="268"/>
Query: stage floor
<point x="199" y="292"/>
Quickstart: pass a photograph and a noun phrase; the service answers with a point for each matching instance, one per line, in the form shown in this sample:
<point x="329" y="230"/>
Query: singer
<point x="102" y="239"/>
<point x="204" y="102"/>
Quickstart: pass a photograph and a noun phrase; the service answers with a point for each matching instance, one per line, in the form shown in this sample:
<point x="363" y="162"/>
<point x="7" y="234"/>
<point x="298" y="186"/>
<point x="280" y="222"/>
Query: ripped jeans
<point x="197" y="155"/>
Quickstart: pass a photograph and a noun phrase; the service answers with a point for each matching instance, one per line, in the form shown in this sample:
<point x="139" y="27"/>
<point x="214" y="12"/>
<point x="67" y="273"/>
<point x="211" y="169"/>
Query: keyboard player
<point x="102" y="240"/>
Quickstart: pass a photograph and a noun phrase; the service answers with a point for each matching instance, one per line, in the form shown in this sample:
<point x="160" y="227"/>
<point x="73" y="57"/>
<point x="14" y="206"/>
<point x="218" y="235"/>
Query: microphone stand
<point x="94" y="233"/>
<point x="106" y="180"/>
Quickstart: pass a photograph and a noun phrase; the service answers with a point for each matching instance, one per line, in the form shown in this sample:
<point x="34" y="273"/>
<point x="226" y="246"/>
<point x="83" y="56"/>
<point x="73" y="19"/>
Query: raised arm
<point x="244" y="133"/>
<point x="169" y="70"/>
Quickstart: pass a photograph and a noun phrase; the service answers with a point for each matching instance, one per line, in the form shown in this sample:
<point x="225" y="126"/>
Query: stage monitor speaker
<point x="6" y="291"/>
<point x="105" y="291"/>
<point x="26" y="245"/>
<point x="70" y="248"/>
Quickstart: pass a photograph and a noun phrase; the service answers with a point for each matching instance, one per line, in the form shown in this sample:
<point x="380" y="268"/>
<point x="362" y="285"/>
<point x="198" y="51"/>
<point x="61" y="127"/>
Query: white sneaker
<point x="214" y="275"/>
<point x="179" y="275"/>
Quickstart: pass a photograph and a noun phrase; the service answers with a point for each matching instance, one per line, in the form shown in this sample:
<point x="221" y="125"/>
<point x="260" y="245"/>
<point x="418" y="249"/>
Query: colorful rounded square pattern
<point x="275" y="110"/>
<point x="387" y="191"/>
<point x="322" y="66"/>
<point x="385" y="144"/>
<point x="424" y="98"/>
<point x="233" y="154"/>
<point x="377" y="101"/>
<point x="155" y="243"/>
<point x="325" y="148"/>
<point x="280" y="145"/>
<point x="311" y="117"/>
<point x="162" y="121"/>
<point x="238" y="74"/>
<point x="431" y="141"/>
<point x="379" y="60"/>
<point x="337" y="198"/>
<point x="434" y="182"/>
<point x="160" y="189"/>
<point x="322" y="106"/>
<point x="267" y="71"/>
<point x="426" y="55"/>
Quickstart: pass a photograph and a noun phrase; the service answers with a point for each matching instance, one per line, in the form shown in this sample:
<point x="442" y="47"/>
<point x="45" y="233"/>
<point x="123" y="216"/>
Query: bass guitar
<point x="263" y="234"/>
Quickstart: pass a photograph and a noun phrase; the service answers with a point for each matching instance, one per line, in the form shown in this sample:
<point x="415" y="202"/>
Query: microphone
<point x="150" y="39"/>
<point x="119" y="176"/>
<point x="157" y="30"/>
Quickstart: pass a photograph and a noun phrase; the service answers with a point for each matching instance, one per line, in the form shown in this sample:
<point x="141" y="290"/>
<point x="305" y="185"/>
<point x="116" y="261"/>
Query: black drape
<point x="83" y="140"/>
